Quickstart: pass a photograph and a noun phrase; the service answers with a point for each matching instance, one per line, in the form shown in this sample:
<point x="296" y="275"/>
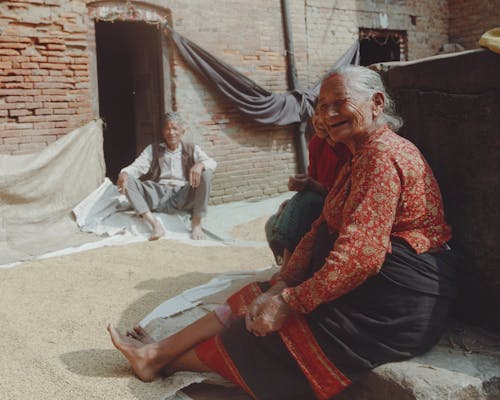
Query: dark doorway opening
<point x="129" y="68"/>
<point x="381" y="45"/>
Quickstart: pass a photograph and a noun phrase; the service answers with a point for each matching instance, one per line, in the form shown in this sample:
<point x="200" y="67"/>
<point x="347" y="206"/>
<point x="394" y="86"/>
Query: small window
<point x="379" y="45"/>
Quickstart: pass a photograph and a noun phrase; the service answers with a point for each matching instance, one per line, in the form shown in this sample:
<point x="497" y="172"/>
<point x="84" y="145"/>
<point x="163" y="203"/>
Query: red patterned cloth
<point x="325" y="162"/>
<point x="387" y="190"/>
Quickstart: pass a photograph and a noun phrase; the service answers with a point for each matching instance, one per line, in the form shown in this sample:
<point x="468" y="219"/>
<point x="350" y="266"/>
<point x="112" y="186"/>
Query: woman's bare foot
<point x="140" y="355"/>
<point x="138" y="333"/>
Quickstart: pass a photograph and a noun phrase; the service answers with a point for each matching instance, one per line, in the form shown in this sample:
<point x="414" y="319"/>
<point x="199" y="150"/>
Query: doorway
<point x="379" y="45"/>
<point x="131" y="98"/>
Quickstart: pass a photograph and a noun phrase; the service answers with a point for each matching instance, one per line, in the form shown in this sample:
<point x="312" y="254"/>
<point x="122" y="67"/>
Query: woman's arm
<point x="364" y="235"/>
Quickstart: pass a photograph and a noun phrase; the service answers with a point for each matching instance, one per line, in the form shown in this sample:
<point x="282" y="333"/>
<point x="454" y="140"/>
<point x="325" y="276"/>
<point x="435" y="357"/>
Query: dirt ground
<point x="54" y="312"/>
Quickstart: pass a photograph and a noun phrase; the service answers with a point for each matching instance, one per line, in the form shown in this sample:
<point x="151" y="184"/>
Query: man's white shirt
<point x="172" y="173"/>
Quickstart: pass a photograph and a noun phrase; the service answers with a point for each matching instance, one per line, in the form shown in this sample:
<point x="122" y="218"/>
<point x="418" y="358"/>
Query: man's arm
<point x="202" y="162"/>
<point x="201" y="157"/>
<point x="301" y="182"/>
<point x="141" y="164"/>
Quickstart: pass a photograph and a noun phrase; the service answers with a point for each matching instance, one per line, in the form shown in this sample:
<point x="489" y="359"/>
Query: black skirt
<point x="398" y="313"/>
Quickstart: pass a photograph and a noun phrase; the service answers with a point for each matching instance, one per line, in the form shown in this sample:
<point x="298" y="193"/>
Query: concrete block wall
<point x="469" y="19"/>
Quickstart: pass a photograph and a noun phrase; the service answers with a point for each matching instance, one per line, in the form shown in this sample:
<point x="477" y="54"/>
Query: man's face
<point x="172" y="133"/>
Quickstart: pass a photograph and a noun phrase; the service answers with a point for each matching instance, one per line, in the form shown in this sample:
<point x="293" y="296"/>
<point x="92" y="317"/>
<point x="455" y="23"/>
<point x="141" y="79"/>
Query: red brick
<point x="65" y="111"/>
<point x="15" y="126"/>
<point x="52" y="66"/>
<point x="19" y="92"/>
<point x="52" y="85"/>
<point x="79" y="66"/>
<point x="46" y="40"/>
<point x="55" y="91"/>
<point x="4" y="45"/>
<point x="51" y="98"/>
<point x="33" y="78"/>
<point x="56" y="47"/>
<point x="43" y="111"/>
<point x="40" y="72"/>
<point x="80" y="60"/>
<point x="18" y="99"/>
<point x="44" y="125"/>
<point x="55" y="105"/>
<point x="17" y="39"/>
<point x="9" y="52"/>
<point x="38" y="59"/>
<point x="11" y="78"/>
<point x="19" y="85"/>
<point x="17" y="72"/>
<point x="29" y="65"/>
<point x="17" y="113"/>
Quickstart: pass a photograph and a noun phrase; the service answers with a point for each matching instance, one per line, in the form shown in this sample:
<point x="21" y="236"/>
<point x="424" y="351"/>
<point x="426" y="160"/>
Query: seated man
<point x="169" y="177"/>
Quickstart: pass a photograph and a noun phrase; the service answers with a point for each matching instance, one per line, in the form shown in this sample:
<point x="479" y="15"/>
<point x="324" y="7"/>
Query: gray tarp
<point x="251" y="99"/>
<point x="38" y="191"/>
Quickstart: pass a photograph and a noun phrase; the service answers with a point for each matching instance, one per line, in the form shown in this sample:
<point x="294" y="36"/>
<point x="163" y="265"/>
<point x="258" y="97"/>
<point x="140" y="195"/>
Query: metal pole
<point x="300" y="138"/>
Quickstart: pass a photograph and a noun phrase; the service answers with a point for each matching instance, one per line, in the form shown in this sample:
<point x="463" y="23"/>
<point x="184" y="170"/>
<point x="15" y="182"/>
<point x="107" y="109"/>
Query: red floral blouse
<point x="387" y="190"/>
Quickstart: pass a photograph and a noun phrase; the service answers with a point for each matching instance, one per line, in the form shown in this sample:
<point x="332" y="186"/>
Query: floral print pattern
<point x="387" y="191"/>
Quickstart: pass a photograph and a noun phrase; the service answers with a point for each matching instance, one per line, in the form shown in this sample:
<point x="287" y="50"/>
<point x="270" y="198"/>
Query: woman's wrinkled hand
<point x="268" y="312"/>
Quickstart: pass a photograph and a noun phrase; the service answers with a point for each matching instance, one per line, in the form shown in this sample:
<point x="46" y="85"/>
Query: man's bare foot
<point x="138" y="333"/>
<point x="197" y="233"/>
<point x="158" y="231"/>
<point x="138" y="354"/>
<point x="196" y="229"/>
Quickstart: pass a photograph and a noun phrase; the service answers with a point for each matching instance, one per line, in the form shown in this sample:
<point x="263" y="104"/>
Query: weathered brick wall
<point x="46" y="74"/>
<point x="44" y="78"/>
<point x="333" y="26"/>
<point x="254" y="160"/>
<point x="469" y="19"/>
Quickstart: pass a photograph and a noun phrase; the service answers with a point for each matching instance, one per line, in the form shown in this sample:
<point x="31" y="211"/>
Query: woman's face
<point x="344" y="113"/>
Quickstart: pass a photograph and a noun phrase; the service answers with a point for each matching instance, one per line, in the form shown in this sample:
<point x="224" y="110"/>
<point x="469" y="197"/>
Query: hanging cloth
<point x="250" y="98"/>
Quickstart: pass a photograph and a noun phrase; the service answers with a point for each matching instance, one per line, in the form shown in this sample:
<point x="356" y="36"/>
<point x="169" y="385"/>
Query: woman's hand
<point x="268" y="312"/>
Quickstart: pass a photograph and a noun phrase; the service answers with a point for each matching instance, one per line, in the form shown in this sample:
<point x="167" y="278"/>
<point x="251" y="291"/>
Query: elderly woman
<point x="370" y="283"/>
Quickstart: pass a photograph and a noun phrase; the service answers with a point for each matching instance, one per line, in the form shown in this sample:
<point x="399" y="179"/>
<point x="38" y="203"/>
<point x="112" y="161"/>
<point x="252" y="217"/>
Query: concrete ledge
<point x="464" y="366"/>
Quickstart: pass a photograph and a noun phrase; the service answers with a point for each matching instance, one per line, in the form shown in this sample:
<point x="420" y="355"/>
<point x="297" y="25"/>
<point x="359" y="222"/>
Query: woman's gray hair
<point x="366" y="82"/>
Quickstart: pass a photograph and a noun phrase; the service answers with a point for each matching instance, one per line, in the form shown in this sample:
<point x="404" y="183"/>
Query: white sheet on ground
<point x="179" y="311"/>
<point x="101" y="212"/>
<point x="38" y="191"/>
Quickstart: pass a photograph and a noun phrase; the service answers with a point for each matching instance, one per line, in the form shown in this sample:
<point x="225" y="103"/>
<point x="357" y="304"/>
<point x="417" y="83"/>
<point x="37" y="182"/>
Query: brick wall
<point x="47" y="74"/>
<point x="44" y="77"/>
<point x="254" y="160"/>
<point x="469" y="19"/>
<point x="333" y="26"/>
